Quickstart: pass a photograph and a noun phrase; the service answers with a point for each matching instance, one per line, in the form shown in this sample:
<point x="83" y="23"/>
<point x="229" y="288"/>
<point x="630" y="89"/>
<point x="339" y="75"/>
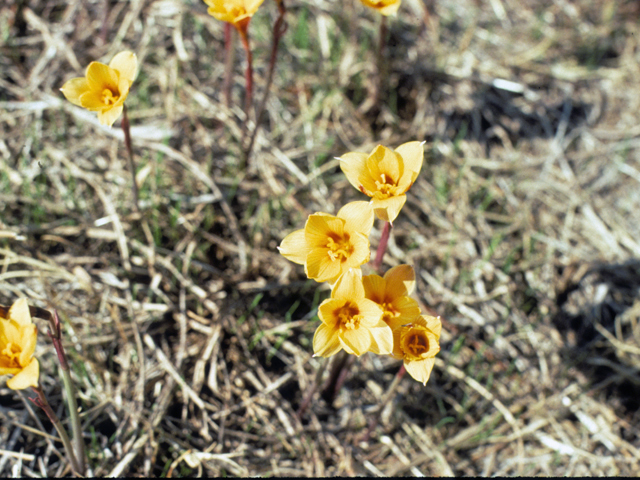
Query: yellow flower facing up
<point x="385" y="175"/>
<point x="18" y="337"/>
<point x="350" y="321"/>
<point x="237" y="12"/>
<point x="417" y="343"/>
<point x="385" y="7"/>
<point x="328" y="246"/>
<point x="392" y="292"/>
<point x="104" y="88"/>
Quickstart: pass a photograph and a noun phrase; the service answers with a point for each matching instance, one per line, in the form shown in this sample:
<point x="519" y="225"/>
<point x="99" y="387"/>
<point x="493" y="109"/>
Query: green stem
<point x="42" y="402"/>
<point x="55" y="334"/>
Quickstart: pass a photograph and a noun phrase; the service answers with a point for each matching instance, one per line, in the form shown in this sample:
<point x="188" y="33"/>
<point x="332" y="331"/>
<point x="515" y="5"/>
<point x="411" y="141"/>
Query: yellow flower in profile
<point x="392" y="292"/>
<point x="350" y="321"/>
<point x="385" y="175"/>
<point x="18" y="337"/>
<point x="385" y="7"/>
<point x="417" y="343"/>
<point x="237" y="12"/>
<point x="104" y="88"/>
<point x="328" y="246"/>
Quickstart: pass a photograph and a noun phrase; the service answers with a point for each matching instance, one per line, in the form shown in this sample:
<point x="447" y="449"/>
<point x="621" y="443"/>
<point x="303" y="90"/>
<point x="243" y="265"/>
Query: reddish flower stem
<point x="229" y="37"/>
<point x="127" y="142"/>
<point x="279" y="29"/>
<point x="41" y="401"/>
<point x="382" y="246"/>
<point x="244" y="36"/>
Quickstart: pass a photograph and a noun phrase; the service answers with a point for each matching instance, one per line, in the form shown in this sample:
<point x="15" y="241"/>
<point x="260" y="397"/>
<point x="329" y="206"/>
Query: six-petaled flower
<point x="104" y="88"/>
<point x="385" y="175"/>
<point x="350" y="321"/>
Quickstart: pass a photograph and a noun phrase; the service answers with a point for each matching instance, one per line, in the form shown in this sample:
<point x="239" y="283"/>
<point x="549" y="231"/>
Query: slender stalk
<point x="244" y="36"/>
<point x="382" y="64"/>
<point x="336" y="378"/>
<point x="127" y="142"/>
<point x="279" y="29"/>
<point x="229" y="60"/>
<point x="42" y="402"/>
<point x="55" y="333"/>
<point x="383" y="403"/>
<point x="382" y="246"/>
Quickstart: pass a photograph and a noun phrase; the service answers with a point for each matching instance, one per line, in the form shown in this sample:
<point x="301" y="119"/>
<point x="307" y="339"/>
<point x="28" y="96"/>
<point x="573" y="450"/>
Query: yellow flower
<point x="104" y="88"/>
<point x="328" y="246"/>
<point x="17" y="343"/>
<point x="392" y="294"/>
<point x="417" y="343"/>
<point x="385" y="7"/>
<point x="237" y="12"/>
<point x="385" y="175"/>
<point x="350" y="321"/>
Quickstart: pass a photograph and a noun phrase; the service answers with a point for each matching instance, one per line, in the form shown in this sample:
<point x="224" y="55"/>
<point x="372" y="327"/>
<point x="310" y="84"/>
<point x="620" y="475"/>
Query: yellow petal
<point x="126" y="63"/>
<point x="252" y="6"/>
<point x="388" y="208"/>
<point x="412" y="154"/>
<point x="400" y="281"/>
<point x="434" y="324"/>
<point x="294" y="247"/>
<point x="326" y="341"/>
<point x="374" y="288"/>
<point x="19" y="312"/>
<point x="320" y="266"/>
<point x="318" y="228"/>
<point x="420" y="369"/>
<point x="100" y="77"/>
<point x="354" y="166"/>
<point x="326" y="311"/>
<point x="27" y="377"/>
<point x="407" y="308"/>
<point x="361" y="251"/>
<point x="382" y="340"/>
<point x="356" y="341"/>
<point x="74" y="88"/>
<point x="108" y="117"/>
<point x="349" y="286"/>
<point x="384" y="161"/>
<point x="358" y="217"/>
<point x="371" y="313"/>
<point x="28" y="344"/>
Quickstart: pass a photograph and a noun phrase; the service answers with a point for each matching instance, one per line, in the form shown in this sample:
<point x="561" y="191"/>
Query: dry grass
<point x="190" y="336"/>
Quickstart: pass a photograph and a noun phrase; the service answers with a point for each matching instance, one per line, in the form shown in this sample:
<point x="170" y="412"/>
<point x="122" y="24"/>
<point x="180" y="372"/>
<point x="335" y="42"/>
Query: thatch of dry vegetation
<point x="190" y="336"/>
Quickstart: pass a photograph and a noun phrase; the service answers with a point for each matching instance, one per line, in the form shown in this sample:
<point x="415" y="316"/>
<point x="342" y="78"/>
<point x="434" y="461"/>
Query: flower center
<point x="416" y="344"/>
<point x="339" y="248"/>
<point x="108" y="97"/>
<point x="349" y="317"/>
<point x="389" y="311"/>
<point x="11" y="352"/>
<point x="386" y="187"/>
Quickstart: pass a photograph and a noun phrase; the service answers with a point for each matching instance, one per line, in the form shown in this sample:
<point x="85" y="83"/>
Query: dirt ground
<point x="190" y="336"/>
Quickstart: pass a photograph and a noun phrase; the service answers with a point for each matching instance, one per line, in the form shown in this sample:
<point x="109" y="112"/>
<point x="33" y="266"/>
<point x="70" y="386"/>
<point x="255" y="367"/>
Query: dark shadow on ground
<point x="605" y="299"/>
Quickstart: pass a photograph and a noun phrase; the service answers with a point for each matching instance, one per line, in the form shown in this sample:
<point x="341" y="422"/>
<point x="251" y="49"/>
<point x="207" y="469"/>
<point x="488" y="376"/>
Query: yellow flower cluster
<point x="18" y="337"/>
<point x="367" y="313"/>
